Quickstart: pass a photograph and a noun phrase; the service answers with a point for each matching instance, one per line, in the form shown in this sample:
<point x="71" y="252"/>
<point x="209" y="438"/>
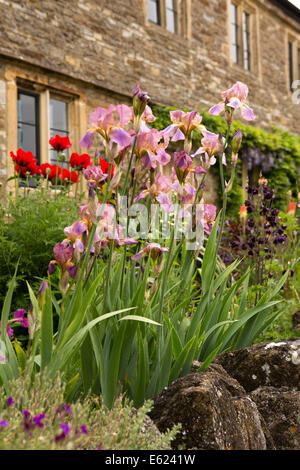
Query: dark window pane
<point x="153" y="11"/>
<point x="171" y="21"/>
<point x="233" y="9"/>
<point x="246" y="40"/>
<point x="234" y="33"/>
<point x="291" y="65"/>
<point x="171" y="16"/>
<point x="53" y="153"/>
<point x="26" y="108"/>
<point x="58" y="114"/>
<point x="27" y="138"/>
<point x="28" y="122"/>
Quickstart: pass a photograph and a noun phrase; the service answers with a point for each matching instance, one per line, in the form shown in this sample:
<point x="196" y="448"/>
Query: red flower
<point x="53" y="170"/>
<point x="65" y="176"/>
<point x="105" y="167"/>
<point x="60" y="143"/>
<point x="80" y="162"/>
<point x="25" y="163"/>
<point x="292" y="207"/>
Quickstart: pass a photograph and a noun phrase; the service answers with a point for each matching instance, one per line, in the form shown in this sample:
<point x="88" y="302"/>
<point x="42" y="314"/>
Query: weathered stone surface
<point x="280" y="409"/>
<point x="296" y="320"/>
<point x="272" y="364"/>
<point x="214" y="412"/>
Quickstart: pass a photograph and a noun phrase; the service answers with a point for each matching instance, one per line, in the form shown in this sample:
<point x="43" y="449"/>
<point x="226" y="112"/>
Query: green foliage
<point x="29" y="228"/>
<point x="283" y="176"/>
<point x="122" y="428"/>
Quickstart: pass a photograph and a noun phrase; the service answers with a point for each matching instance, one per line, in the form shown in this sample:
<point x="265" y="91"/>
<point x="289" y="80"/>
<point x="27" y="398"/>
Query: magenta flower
<point x="84" y="429"/>
<point x="38" y="420"/>
<point x="67" y="408"/>
<point x="26" y="414"/>
<point x="19" y="315"/>
<point x="3" y="423"/>
<point x="183" y="124"/>
<point x="65" y="428"/>
<point x="154" y="250"/>
<point x="2" y="359"/>
<point x="10" y="401"/>
<point x="235" y="98"/>
<point x="9" y="330"/>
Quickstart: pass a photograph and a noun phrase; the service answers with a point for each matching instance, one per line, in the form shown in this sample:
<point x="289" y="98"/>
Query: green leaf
<point x="46" y="330"/>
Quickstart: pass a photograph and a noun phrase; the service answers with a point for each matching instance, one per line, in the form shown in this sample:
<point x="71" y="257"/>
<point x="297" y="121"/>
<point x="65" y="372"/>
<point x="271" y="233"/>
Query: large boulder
<point x="275" y="364"/>
<point x="214" y="412"/>
<point x="296" y="320"/>
<point x="280" y="409"/>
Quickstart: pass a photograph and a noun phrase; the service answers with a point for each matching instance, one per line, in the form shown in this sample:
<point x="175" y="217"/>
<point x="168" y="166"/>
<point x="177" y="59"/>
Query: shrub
<point x="29" y="228"/>
<point x="36" y="417"/>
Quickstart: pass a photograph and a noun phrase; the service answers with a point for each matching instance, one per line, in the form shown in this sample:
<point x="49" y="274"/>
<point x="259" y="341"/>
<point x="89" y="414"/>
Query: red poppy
<point x="60" y="143"/>
<point x="25" y="163"/>
<point x="54" y="169"/>
<point x="80" y="162"/>
<point x="105" y="167"/>
<point x="65" y="176"/>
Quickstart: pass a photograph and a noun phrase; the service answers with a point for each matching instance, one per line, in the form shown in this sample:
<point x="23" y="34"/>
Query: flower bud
<point x="236" y="144"/>
<point x="140" y="101"/>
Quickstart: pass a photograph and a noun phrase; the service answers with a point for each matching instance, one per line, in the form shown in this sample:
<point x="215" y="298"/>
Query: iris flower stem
<point x="129" y="166"/>
<point x="223" y="189"/>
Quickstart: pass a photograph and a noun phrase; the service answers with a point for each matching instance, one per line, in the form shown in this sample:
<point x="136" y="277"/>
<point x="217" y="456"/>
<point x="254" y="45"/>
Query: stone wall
<point x="99" y="50"/>
<point x="111" y="45"/>
<point x="3" y="149"/>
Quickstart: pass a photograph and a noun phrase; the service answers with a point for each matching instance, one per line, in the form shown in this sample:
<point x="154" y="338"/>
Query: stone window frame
<point x="18" y="79"/>
<point x="245" y="6"/>
<point x="183" y="19"/>
<point x="294" y="40"/>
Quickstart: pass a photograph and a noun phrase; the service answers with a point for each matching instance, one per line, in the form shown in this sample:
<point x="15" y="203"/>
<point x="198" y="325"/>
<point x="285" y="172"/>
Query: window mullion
<point x="240" y="51"/>
<point x="162" y="13"/>
<point x="44" y="125"/>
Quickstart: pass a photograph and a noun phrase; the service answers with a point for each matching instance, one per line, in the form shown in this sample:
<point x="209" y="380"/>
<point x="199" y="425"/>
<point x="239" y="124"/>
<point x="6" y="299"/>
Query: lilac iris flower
<point x="109" y="122"/>
<point x="235" y="98"/>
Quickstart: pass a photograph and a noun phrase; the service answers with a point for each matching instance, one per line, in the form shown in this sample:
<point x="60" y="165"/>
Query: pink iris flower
<point x="155" y="250"/>
<point x="235" y="97"/>
<point x="183" y="124"/>
<point x="212" y="144"/>
<point x="74" y="235"/>
<point x="158" y="190"/>
<point x="185" y="191"/>
<point x="150" y="148"/>
<point x="63" y="253"/>
<point x="109" y="123"/>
